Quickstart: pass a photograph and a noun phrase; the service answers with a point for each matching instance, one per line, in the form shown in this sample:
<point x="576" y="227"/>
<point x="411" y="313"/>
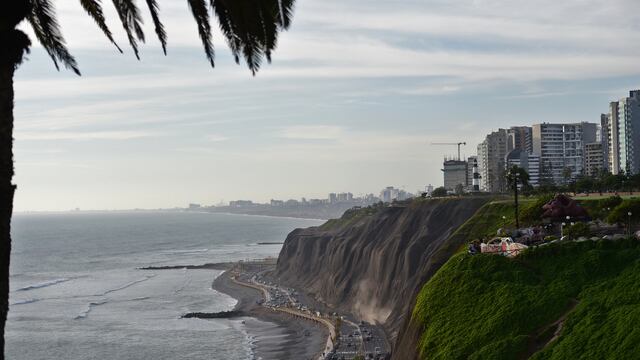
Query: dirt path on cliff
<point x="543" y="337"/>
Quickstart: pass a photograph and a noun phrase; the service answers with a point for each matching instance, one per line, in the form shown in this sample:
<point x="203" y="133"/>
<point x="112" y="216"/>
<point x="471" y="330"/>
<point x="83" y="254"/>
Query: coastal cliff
<point x="373" y="261"/>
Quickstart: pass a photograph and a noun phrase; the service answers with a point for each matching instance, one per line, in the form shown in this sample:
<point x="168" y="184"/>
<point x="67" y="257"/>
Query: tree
<point x="439" y="191"/>
<point x="250" y="27"/>
<point x="566" y="174"/>
<point x="620" y="215"/>
<point x="517" y="176"/>
<point x="546" y="176"/>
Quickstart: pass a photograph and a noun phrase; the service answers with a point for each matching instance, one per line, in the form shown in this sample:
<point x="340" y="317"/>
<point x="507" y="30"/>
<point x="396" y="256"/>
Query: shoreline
<point x="258" y="215"/>
<point x="302" y="340"/>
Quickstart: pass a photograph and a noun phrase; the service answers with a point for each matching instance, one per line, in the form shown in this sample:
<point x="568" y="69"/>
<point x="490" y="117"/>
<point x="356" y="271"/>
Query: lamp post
<point x="516" y="177"/>
<point x="562" y="230"/>
<point x="629" y="224"/>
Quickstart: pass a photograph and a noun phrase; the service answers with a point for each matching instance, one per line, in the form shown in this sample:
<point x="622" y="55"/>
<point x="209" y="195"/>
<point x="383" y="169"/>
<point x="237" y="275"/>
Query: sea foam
<point x="44" y="284"/>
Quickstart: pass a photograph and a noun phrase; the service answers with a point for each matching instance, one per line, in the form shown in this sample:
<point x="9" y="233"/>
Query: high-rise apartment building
<point x="593" y="159"/>
<point x="529" y="162"/>
<point x="491" y="160"/>
<point x="561" y="148"/>
<point x="623" y="135"/>
<point x="470" y="161"/>
<point x="605" y="139"/>
<point x="520" y="138"/>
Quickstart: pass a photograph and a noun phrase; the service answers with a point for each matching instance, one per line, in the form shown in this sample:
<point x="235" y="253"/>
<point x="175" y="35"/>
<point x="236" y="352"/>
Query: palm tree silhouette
<point x="251" y="28"/>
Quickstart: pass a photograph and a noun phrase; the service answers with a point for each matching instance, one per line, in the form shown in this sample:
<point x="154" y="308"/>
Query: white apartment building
<point x="491" y="160"/>
<point x="622" y="129"/>
<point x="561" y="146"/>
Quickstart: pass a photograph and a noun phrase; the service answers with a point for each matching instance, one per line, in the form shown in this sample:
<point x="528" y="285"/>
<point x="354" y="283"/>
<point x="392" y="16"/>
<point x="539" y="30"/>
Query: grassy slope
<point x="491" y="307"/>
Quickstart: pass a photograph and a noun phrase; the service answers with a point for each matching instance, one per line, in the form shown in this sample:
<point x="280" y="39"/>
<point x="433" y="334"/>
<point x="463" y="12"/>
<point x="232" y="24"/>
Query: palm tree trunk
<point x="7" y="189"/>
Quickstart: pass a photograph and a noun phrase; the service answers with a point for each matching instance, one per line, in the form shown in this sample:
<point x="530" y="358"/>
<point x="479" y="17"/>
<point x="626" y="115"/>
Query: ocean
<point x="76" y="292"/>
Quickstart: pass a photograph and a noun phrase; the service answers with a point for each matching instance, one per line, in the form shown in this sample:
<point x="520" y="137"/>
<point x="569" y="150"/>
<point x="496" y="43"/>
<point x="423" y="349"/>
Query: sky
<point x="356" y="94"/>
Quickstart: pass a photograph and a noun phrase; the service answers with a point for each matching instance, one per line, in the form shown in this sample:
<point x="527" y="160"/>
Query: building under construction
<point x="455" y="173"/>
<point x="459" y="172"/>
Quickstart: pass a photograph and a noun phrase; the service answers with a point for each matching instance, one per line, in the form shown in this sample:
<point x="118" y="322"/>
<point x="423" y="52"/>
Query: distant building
<point x="316" y="201"/>
<point x="470" y="161"/>
<point x="370" y="199"/>
<point x="623" y="135"/>
<point x="390" y="194"/>
<point x="529" y="162"/>
<point x="240" y="203"/>
<point x="344" y="197"/>
<point x="520" y="137"/>
<point x="276" y="203"/>
<point x="593" y="159"/>
<point x="455" y="174"/>
<point x="428" y="189"/>
<point x="194" y="206"/>
<point x="292" y="203"/>
<point x="333" y="198"/>
<point x="491" y="160"/>
<point x="605" y="139"/>
<point x="561" y="148"/>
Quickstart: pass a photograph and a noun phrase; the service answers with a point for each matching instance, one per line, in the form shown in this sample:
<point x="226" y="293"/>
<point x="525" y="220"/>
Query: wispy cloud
<point x="82" y="136"/>
<point x="312" y="132"/>
<point x="216" y="138"/>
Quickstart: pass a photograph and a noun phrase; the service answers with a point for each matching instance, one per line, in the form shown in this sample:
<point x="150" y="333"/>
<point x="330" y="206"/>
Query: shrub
<point x="577" y="230"/>
<point x="439" y="191"/>
<point x="532" y="212"/>
<point x="598" y="208"/>
<point x="620" y="213"/>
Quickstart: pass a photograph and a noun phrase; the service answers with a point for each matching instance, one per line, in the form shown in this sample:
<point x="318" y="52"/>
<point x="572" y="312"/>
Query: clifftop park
<point x="438" y="278"/>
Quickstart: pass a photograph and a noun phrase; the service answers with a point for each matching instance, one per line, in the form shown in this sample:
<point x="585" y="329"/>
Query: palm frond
<point x="45" y="26"/>
<point x="285" y="13"/>
<point x="228" y="29"/>
<point x="94" y="9"/>
<point x="201" y="15"/>
<point x="251" y="27"/>
<point x="162" y="35"/>
<point x="131" y="20"/>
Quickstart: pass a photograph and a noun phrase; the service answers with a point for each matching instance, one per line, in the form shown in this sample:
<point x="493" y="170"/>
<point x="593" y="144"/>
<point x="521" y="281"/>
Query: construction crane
<point x="458" y="143"/>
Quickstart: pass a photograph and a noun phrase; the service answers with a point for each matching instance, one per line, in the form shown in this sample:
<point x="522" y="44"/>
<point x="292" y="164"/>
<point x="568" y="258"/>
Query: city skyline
<point x="360" y="114"/>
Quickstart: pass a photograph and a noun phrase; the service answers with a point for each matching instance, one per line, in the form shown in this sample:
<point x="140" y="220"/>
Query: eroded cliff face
<point x="373" y="265"/>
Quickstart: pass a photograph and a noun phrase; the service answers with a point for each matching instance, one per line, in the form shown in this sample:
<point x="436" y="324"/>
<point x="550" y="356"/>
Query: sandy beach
<point x="301" y="340"/>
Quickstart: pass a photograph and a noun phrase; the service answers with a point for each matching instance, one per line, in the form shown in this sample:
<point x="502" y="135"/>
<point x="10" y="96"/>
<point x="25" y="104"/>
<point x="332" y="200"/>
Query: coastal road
<point x="354" y="339"/>
<point x="375" y="343"/>
<point x="350" y="343"/>
<point x="265" y="289"/>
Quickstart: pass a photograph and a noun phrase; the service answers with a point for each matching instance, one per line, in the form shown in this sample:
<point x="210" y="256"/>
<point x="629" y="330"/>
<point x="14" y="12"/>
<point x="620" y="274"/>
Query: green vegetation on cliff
<point x="561" y="301"/>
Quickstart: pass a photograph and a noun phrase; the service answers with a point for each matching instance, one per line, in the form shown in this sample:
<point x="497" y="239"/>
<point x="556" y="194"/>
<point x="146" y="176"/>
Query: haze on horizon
<point x="353" y="98"/>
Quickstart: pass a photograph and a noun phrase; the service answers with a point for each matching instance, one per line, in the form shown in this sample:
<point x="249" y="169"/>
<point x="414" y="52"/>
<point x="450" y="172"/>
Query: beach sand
<point x="288" y="341"/>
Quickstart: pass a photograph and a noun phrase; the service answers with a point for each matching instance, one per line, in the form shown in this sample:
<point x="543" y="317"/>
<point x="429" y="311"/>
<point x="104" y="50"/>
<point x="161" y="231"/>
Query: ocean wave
<point x="44" y="284"/>
<point x="24" y="302"/>
<point x="186" y="251"/>
<point x="127" y="285"/>
<point x="140" y="298"/>
<point x="184" y="285"/>
<point x="85" y="313"/>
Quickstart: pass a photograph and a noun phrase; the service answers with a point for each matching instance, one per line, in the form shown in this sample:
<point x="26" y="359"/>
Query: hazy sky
<point x="356" y="92"/>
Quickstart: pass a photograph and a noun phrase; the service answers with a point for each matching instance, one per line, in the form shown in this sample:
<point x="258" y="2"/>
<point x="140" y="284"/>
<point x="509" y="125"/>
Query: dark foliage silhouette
<point x="251" y="28"/>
